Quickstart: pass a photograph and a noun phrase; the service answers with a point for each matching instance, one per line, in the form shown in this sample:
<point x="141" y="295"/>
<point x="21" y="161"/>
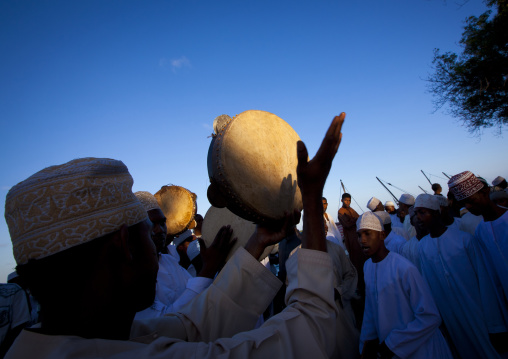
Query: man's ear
<point x="382" y="235"/>
<point x="121" y="242"/>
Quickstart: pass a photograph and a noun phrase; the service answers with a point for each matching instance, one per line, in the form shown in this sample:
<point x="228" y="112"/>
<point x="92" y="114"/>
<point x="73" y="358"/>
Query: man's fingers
<point x="330" y="143"/>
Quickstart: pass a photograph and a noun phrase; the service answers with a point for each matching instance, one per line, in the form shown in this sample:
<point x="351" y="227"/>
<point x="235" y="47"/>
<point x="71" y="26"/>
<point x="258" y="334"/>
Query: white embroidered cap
<point x="407" y="199"/>
<point x="67" y="205"/>
<point x="497" y="180"/>
<point x="147" y="200"/>
<point x="369" y="220"/>
<point x="384" y="217"/>
<point x="464" y="185"/>
<point x="372" y="204"/>
<point x="389" y="204"/>
<point x="429" y="201"/>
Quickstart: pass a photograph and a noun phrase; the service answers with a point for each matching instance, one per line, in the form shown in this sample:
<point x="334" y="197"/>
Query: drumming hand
<point x="311" y="180"/>
<point x="312" y="174"/>
<point x="266" y="236"/>
<point x="214" y="256"/>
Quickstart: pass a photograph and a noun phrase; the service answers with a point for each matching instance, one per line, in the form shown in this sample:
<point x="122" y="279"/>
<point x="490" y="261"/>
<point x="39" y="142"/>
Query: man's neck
<point x="437" y="231"/>
<point x="492" y="212"/>
<point x="380" y="254"/>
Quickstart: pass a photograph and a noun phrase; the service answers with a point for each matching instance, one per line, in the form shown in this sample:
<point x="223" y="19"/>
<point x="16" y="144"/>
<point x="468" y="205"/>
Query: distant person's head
<point x="500" y="198"/>
<point x="157" y="217"/>
<point x="81" y="239"/>
<point x="346" y="200"/>
<point x="405" y="202"/>
<point x="436" y="187"/>
<point x="325" y="204"/>
<point x="390" y="207"/>
<point x="375" y="204"/>
<point x="500" y="182"/>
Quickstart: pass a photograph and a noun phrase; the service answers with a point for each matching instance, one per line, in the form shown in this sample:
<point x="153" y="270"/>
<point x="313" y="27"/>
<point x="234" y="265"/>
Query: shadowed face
<point x="346" y="202"/>
<point x="370" y="241"/>
<point x="159" y="229"/>
<point x="325" y="205"/>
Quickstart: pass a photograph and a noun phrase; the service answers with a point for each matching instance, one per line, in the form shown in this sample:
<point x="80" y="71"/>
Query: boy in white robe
<point x="458" y="282"/>
<point x="401" y="318"/>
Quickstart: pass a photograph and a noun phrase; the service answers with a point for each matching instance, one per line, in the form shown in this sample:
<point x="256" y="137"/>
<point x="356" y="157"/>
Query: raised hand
<point x="312" y="174"/>
<point x="214" y="257"/>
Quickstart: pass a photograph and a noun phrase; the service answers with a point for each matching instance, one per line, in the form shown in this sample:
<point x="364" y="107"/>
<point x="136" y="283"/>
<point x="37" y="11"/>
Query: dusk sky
<point x="142" y="82"/>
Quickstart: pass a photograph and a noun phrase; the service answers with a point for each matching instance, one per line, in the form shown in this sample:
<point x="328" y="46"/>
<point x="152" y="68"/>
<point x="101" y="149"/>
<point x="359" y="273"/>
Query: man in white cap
<point x="82" y="240"/>
<point x="411" y="250"/>
<point x="390" y="208"/>
<point x="406" y="201"/>
<point x="401" y="318"/>
<point x="175" y="286"/>
<point x="459" y="283"/>
<point x="375" y="204"/>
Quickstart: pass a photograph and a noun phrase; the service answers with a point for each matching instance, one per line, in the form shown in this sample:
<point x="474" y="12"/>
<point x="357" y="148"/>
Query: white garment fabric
<point x="175" y="286"/>
<point x="394" y="242"/>
<point x="411" y="231"/>
<point x="215" y="323"/>
<point x="400" y="311"/>
<point x="492" y="240"/>
<point x="13" y="308"/>
<point x="333" y="230"/>
<point x="410" y="251"/>
<point x="396" y="221"/>
<point x="469" y="222"/>
<point x="462" y="291"/>
<point x="401" y="232"/>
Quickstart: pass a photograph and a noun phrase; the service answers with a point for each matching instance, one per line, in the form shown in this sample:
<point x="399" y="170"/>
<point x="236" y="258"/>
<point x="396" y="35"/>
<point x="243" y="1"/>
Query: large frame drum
<point x="179" y="206"/>
<point x="252" y="166"/>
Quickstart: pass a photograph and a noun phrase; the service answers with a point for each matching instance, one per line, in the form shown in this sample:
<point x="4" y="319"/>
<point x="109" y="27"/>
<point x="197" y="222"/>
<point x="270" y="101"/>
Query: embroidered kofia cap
<point x="464" y="185"/>
<point x="372" y="204"/>
<point x="147" y="200"/>
<point x="428" y="201"/>
<point x="63" y="206"/>
<point x="407" y="199"/>
<point x="497" y="180"/>
<point x="389" y="204"/>
<point x="369" y="220"/>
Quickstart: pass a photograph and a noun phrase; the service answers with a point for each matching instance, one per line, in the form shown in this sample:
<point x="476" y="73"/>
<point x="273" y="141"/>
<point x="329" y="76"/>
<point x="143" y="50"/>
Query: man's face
<point x="477" y="202"/>
<point x="390" y="209"/>
<point x="325" y="205"/>
<point x="370" y="241"/>
<point x="424" y="216"/>
<point x="146" y="264"/>
<point x="159" y="229"/>
<point x="346" y="202"/>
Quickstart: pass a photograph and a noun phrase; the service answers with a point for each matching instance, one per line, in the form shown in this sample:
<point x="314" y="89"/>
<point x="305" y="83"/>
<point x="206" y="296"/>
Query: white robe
<point x="469" y="222"/>
<point x="396" y="221"/>
<point x="492" y="240"/>
<point x="462" y="292"/>
<point x="400" y="311"/>
<point x="175" y="287"/>
<point x="410" y="251"/>
<point x="334" y="231"/>
<point x="394" y="242"/>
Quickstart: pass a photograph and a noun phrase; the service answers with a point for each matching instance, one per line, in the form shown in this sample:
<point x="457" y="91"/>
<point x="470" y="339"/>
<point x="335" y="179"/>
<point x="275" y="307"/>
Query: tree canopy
<point x="473" y="84"/>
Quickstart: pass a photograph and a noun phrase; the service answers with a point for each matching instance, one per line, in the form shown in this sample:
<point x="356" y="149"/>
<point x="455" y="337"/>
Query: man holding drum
<point x="117" y="276"/>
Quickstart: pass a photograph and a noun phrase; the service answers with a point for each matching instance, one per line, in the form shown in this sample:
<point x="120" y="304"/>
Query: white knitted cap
<point x="369" y="220"/>
<point x="372" y="204"/>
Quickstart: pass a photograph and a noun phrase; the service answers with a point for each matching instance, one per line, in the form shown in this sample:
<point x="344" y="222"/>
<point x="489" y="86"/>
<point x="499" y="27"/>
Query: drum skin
<point x="252" y="167"/>
<point x="215" y="218"/>
<point x="179" y="206"/>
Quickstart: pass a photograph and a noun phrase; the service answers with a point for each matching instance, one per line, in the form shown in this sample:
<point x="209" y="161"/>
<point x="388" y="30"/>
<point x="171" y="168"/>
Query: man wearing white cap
<point x="411" y="250"/>
<point x="82" y="241"/>
<point x="390" y="207"/>
<point x="459" y="283"/>
<point x="375" y="204"/>
<point x="401" y="318"/>
<point x="406" y="201"/>
<point x="175" y="286"/>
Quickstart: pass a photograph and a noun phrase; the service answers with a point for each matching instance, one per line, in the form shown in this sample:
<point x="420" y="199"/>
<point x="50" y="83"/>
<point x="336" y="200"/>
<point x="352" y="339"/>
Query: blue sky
<point x="143" y="81"/>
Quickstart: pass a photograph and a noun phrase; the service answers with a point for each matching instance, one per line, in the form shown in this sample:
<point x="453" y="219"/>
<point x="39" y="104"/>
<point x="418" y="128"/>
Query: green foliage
<point x="474" y="84"/>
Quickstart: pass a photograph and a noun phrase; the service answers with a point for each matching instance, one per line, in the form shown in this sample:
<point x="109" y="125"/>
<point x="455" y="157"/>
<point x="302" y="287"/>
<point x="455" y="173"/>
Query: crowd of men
<point x="102" y="279"/>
